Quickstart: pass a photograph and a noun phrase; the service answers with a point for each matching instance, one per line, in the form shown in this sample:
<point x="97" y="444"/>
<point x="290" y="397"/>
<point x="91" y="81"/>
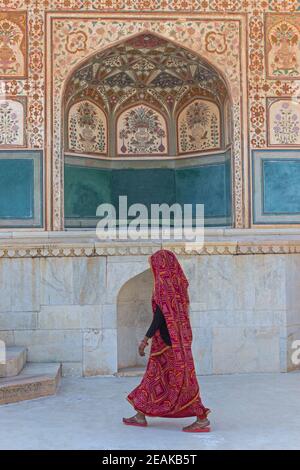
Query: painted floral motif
<point x="36" y="61"/>
<point x="12" y="44"/>
<point x="35" y="115"/>
<point x="284" y="5"/>
<point x="284" y="55"/>
<point x="223" y="5"/>
<point x="11" y="123"/>
<point x="256" y="26"/>
<point x="142" y="130"/>
<point x="285" y="123"/>
<point x="36" y="28"/>
<point x="199" y="127"/>
<point x="76" y="42"/>
<point x="256" y="61"/>
<point x="216" y="42"/>
<point x="87" y="128"/>
<point x="148" y="65"/>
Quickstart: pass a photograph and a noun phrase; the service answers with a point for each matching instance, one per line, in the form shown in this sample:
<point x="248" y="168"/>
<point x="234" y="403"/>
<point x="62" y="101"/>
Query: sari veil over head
<point x="169" y="387"/>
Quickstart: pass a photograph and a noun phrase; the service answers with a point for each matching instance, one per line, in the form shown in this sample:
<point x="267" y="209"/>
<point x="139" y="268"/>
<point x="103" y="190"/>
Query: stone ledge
<point x="87" y="234"/>
<point x="35" y="381"/>
<point x="85" y="244"/>
<point x="15" y="361"/>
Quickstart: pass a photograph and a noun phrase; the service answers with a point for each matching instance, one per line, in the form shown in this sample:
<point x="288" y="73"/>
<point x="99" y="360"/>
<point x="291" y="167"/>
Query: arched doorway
<point x="148" y="119"/>
<point x="134" y="316"/>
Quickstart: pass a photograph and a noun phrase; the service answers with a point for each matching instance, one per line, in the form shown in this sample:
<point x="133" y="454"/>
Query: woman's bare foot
<point x="200" y="425"/>
<point x="136" y="420"/>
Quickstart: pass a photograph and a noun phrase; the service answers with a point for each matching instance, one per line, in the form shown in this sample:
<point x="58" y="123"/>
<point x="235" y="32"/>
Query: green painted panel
<point x="281" y="180"/>
<point x="85" y="189"/>
<point x="148" y="186"/>
<point x="228" y="184"/>
<point x="208" y="185"/>
<point x="16" y="188"/>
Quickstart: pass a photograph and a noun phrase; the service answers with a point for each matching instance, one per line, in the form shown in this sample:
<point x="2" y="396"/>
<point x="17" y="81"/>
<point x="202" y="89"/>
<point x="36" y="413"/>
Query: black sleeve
<point x="156" y="322"/>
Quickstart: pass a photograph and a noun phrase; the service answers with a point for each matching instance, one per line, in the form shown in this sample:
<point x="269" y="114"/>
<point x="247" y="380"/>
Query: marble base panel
<point x="89" y="313"/>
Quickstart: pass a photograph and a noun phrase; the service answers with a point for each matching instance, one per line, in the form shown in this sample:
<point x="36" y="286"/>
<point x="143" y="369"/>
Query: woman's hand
<point x="142" y="346"/>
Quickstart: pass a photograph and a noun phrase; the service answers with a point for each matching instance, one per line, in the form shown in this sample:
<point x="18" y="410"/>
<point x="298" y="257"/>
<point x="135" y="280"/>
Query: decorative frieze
<point x="75" y="246"/>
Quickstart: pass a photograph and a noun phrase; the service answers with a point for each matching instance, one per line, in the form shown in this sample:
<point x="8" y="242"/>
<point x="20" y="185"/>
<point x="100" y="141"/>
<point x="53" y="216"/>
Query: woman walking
<point x="169" y="388"/>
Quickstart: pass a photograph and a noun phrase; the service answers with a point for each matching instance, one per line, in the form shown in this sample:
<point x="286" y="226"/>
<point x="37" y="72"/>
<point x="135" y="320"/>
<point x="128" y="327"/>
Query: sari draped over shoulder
<point x="169" y="387"/>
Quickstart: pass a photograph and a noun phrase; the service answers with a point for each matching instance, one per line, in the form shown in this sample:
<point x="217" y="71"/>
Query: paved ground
<point x="260" y="411"/>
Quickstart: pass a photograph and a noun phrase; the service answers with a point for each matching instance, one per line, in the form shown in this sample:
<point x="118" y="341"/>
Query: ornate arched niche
<point x="147" y="104"/>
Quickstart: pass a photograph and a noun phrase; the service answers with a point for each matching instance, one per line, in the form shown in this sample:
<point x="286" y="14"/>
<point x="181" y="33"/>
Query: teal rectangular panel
<point x="16" y="189"/>
<point x="87" y="185"/>
<point x="147" y="186"/>
<point x="21" y="183"/>
<point x="281" y="179"/>
<point x="276" y="186"/>
<point x="228" y="186"/>
<point x="85" y="189"/>
<point x="208" y="185"/>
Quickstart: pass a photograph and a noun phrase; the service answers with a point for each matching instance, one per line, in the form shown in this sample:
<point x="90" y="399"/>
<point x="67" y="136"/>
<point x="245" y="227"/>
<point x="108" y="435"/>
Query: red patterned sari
<point x="169" y="387"/>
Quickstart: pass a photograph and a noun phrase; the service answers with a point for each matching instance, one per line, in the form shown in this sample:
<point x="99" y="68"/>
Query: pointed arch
<point x="146" y="69"/>
<point x="181" y="76"/>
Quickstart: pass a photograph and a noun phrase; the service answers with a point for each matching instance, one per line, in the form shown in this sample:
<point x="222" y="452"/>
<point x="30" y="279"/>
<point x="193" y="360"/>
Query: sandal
<point x="134" y="422"/>
<point x="198" y="427"/>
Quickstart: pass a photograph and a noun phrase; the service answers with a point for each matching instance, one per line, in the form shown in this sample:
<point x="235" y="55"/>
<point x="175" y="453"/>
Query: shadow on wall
<point x="134" y="318"/>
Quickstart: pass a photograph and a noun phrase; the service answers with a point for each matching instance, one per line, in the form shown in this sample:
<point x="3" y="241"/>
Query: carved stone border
<point x="67" y="250"/>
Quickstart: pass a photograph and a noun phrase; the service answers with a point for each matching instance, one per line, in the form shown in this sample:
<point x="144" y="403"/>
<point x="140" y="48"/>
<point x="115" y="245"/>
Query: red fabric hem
<point x="185" y="413"/>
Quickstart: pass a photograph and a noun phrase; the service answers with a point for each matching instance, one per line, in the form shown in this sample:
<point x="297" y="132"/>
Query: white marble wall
<point x="292" y="327"/>
<point x="89" y="313"/>
<point x="134" y="318"/>
<point x="238" y="312"/>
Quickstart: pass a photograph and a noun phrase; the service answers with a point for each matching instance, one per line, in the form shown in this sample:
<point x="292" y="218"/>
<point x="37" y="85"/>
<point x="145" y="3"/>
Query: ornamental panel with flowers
<point x="141" y="130"/>
<point x="199" y="127"/>
<point x="12" y="122"/>
<point x="283" y="122"/>
<point x="87" y="128"/>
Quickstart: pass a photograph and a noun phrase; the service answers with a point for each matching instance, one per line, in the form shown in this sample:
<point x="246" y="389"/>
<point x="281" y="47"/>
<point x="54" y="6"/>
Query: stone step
<point x="14" y="362"/>
<point x="137" y="371"/>
<point x="35" y="381"/>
